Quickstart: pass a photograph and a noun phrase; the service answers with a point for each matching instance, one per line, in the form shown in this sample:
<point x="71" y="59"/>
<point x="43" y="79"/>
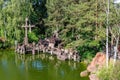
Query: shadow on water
<point x="38" y="67"/>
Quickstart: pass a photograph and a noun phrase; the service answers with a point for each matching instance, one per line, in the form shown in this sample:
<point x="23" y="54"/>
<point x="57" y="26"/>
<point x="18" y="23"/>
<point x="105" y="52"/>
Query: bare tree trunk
<point x="107" y="54"/>
<point x="116" y="50"/>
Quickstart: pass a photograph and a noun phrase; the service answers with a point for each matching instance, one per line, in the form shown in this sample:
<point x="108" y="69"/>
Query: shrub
<point x="32" y="37"/>
<point x="110" y="73"/>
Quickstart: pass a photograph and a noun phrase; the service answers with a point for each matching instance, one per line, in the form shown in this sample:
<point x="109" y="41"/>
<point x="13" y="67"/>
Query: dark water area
<point x="37" y="67"/>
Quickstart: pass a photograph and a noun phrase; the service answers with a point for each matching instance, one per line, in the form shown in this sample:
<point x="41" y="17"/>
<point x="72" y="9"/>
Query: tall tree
<point x="13" y="14"/>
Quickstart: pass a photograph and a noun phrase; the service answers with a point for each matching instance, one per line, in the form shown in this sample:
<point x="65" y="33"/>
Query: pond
<point x="37" y="67"/>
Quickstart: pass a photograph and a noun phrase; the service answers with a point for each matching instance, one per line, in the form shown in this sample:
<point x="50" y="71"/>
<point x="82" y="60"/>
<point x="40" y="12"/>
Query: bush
<point x="86" y="52"/>
<point x="89" y="49"/>
<point x="110" y="73"/>
<point x="5" y="44"/>
<point x="87" y="56"/>
<point x="32" y="37"/>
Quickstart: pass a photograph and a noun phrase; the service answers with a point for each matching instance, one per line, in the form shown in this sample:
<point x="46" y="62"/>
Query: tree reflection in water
<point x="49" y="66"/>
<point x="38" y="67"/>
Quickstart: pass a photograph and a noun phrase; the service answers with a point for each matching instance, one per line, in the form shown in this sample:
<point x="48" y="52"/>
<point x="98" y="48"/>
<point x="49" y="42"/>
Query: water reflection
<point x="39" y="67"/>
<point x="41" y="61"/>
<point x="34" y="61"/>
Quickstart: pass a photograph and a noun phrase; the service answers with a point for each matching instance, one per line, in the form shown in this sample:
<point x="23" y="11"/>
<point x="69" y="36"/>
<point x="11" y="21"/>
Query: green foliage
<point x="110" y="73"/>
<point x="12" y="16"/>
<point x="87" y="56"/>
<point x="78" y="20"/>
<point x="88" y="49"/>
<point x="75" y="44"/>
<point x="32" y="37"/>
<point x="81" y="24"/>
<point x="5" y="45"/>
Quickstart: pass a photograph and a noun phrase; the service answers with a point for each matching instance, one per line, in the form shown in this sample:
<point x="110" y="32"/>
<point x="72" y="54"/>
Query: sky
<point x="116" y="1"/>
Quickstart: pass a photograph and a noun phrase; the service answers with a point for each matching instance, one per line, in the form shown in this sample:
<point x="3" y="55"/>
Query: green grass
<point x="110" y="73"/>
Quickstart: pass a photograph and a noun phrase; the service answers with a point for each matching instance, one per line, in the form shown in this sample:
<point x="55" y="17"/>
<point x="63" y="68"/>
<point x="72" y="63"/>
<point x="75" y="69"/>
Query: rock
<point x="84" y="73"/>
<point x="97" y="62"/>
<point x="62" y="57"/>
<point x="93" y="77"/>
<point x="51" y="45"/>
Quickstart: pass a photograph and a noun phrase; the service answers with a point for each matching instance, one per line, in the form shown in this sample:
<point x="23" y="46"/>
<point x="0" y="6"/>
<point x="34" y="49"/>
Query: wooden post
<point x="33" y="49"/>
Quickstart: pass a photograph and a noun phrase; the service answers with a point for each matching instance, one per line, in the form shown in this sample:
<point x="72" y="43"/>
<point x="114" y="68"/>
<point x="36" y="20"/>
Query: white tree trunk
<point x="107" y="54"/>
<point x="116" y="50"/>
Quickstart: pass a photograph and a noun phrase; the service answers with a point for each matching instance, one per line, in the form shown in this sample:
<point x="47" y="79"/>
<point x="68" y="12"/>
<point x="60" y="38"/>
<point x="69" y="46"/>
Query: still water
<point x="37" y="67"/>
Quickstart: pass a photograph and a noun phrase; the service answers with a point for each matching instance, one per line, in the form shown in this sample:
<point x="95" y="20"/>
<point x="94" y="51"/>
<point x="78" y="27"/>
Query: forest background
<point x="81" y="24"/>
